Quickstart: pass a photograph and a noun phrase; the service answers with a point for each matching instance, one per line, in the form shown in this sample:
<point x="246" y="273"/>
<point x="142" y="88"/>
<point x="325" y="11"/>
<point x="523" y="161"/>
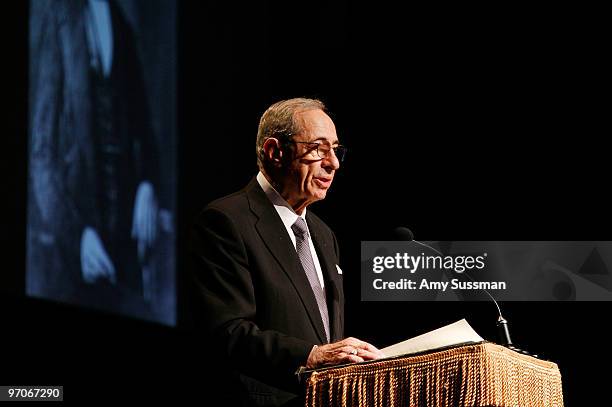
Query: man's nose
<point x="331" y="161"/>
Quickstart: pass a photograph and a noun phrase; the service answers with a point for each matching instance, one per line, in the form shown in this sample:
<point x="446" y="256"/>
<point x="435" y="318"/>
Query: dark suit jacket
<point x="257" y="303"/>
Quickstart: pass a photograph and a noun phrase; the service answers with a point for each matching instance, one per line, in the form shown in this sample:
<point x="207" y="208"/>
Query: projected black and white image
<point x="101" y="195"/>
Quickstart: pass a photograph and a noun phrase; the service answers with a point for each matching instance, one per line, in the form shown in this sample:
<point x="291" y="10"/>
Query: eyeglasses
<point x="323" y="149"/>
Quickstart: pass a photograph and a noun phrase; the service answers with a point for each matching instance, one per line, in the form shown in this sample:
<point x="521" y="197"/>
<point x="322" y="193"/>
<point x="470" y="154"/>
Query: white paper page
<point x="453" y="334"/>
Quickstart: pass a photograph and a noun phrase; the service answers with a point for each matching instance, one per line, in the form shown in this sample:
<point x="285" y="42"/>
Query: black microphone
<point x="502" y="324"/>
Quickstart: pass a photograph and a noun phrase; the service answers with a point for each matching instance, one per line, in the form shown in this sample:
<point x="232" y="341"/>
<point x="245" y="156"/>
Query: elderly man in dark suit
<point x="267" y="270"/>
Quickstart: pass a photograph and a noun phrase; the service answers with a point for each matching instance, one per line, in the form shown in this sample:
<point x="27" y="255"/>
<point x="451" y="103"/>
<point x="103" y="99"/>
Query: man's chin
<point x="319" y="195"/>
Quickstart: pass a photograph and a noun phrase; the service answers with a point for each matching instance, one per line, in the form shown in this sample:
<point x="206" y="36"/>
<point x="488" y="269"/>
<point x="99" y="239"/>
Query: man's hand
<point x="95" y="262"/>
<point x="144" y="224"/>
<point x="349" y="350"/>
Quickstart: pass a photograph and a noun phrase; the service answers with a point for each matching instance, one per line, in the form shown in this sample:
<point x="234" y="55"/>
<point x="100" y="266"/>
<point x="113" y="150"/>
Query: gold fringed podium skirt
<point x="483" y="374"/>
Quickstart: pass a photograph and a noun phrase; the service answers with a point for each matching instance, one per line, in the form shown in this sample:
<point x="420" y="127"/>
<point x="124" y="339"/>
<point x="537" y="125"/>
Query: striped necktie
<point x="303" y="250"/>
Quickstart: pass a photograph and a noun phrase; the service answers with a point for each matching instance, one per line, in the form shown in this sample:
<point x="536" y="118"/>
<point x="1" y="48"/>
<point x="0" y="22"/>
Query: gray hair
<point x="279" y="121"/>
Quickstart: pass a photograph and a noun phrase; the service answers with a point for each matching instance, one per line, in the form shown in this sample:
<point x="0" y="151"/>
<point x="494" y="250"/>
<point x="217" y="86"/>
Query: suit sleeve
<point x="55" y="195"/>
<point x="225" y="291"/>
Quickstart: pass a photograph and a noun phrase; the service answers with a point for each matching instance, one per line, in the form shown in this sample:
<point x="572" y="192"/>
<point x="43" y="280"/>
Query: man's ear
<point x="272" y="150"/>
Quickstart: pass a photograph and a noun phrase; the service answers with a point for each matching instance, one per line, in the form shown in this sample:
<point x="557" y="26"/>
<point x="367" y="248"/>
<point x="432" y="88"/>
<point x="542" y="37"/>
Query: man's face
<point x="309" y="176"/>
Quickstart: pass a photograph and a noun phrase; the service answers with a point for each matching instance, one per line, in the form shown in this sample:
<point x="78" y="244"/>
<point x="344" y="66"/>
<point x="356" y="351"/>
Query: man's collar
<point x="276" y="198"/>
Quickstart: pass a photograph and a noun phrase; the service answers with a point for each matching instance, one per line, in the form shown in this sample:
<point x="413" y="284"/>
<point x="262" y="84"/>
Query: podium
<point x="482" y="374"/>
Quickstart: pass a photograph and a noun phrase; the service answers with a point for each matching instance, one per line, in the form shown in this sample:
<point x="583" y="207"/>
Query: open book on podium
<point x="457" y="334"/>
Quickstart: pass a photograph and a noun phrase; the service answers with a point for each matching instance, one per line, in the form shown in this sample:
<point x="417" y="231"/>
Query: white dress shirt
<point x="288" y="216"/>
<point x="99" y="30"/>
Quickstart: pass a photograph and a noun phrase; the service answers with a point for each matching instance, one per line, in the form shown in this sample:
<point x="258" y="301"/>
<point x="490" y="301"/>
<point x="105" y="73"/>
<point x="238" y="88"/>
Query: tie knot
<point x="299" y="227"/>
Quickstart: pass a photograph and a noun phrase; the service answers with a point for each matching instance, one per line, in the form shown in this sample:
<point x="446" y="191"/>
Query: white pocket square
<point x="339" y="269"/>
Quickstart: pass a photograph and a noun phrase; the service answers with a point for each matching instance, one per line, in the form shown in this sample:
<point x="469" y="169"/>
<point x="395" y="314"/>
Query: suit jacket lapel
<point x="326" y="259"/>
<point x="273" y="233"/>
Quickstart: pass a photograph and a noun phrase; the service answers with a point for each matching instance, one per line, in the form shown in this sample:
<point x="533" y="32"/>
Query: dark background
<point x="463" y="123"/>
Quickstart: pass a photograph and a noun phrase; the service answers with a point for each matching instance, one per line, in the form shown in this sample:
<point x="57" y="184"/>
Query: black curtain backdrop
<point x="463" y="123"/>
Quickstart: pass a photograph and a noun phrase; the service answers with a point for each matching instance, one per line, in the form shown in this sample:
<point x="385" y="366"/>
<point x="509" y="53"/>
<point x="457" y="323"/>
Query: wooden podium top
<point x="483" y="374"/>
